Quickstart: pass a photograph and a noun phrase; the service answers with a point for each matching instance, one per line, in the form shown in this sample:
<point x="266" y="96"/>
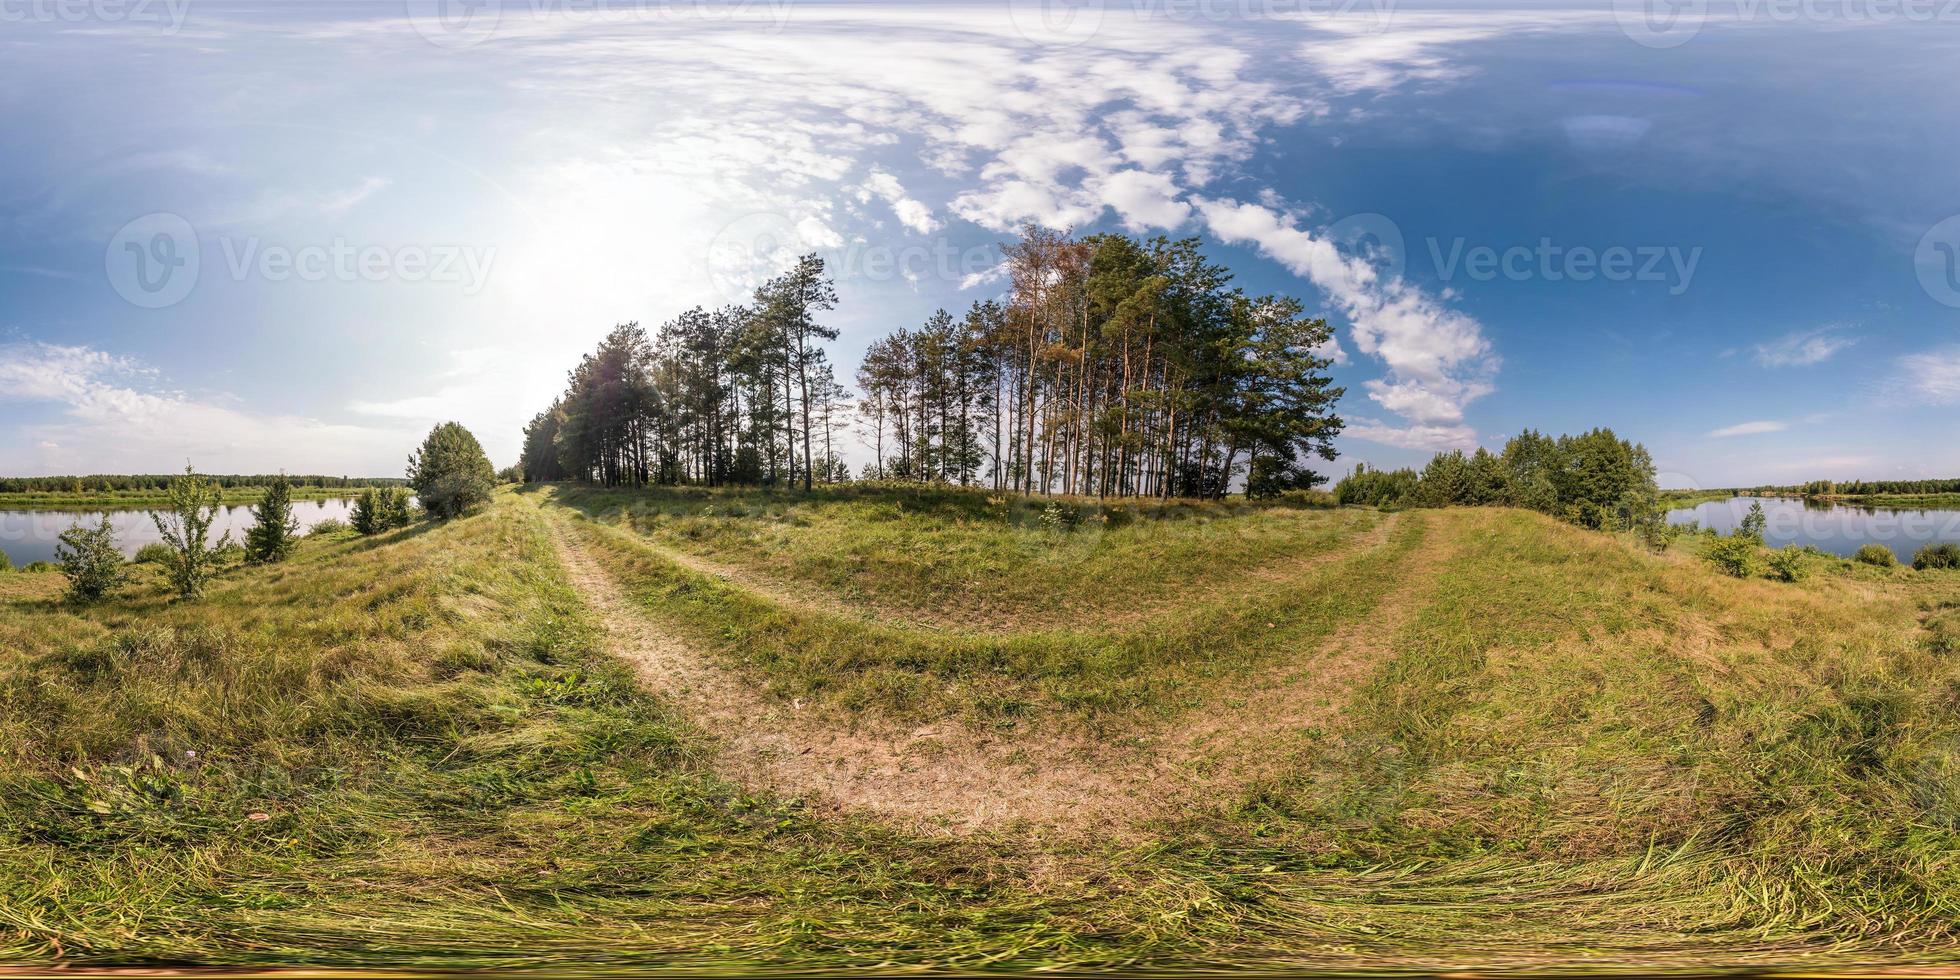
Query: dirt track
<point x="950" y="777"/>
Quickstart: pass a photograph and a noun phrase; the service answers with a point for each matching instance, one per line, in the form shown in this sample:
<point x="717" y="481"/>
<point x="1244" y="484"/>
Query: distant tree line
<point x="1595" y="480"/>
<point x="1860" y="488"/>
<point x="103" y="483"/>
<point x="1112" y="367"/>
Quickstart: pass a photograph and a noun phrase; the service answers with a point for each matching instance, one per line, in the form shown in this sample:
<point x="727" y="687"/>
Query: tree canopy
<point x="1111" y="366"/>
<point x="450" y="473"/>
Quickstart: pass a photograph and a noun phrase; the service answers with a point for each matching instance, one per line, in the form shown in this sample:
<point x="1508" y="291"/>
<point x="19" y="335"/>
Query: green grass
<point x="1573" y="755"/>
<point x="977" y="560"/>
<point x="1159" y="663"/>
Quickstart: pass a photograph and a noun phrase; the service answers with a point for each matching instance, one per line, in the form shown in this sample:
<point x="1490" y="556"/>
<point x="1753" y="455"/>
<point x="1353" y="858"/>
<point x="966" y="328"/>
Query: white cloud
<point x="1430" y="438"/>
<point x="1749" y="429"/>
<point x="911" y="213"/>
<point x="1803" y="347"/>
<point x="1145" y="200"/>
<point x="1931" y="377"/>
<point x="1438" y="359"/>
<point x="1371" y="50"/>
<point x="128" y="426"/>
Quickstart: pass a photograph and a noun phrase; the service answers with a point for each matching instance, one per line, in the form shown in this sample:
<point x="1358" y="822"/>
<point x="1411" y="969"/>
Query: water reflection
<point x="31" y="535"/>
<point x="1838" y="528"/>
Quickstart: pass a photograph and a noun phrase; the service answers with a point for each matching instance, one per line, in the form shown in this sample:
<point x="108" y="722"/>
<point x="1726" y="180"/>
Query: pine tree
<point x="274" y="530"/>
<point x="366" y="517"/>
<point x="450" y="473"/>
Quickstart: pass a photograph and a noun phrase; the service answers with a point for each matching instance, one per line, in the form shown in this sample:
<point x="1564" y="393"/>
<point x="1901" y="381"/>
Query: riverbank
<point x="135" y="499"/>
<point x="1905" y="501"/>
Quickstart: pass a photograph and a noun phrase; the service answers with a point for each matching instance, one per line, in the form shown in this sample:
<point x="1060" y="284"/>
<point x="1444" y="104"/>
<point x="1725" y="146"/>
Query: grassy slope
<point x="1577" y="750"/>
<point x="1160" y="660"/>
<point x="974" y="560"/>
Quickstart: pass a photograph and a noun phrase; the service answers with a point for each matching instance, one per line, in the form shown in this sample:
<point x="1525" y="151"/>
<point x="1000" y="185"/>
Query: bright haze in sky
<point x="295" y="235"/>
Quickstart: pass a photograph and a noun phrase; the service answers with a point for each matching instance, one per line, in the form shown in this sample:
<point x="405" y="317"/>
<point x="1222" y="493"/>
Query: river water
<point x="30" y="535"/>
<point x="1838" y="528"/>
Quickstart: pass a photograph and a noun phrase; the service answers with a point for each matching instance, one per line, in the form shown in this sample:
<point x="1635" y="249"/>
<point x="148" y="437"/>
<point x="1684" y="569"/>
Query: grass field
<point x="881" y="729"/>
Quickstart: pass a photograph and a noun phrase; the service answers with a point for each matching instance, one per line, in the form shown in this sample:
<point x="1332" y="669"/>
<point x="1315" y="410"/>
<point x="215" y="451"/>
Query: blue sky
<point x="1732" y="239"/>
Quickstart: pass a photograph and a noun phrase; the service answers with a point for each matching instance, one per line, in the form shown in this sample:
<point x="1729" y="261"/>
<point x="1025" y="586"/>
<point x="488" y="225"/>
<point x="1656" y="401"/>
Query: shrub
<point x="395" y="508"/>
<point x="1789" y="563"/>
<point x="6" y="563"/>
<point x="366" y="515"/>
<point x="450" y="472"/>
<point x="154" y="554"/>
<point x="274" y="529"/>
<point x="1734" y="555"/>
<point x="1937" y="556"/>
<point x="1754" y="523"/>
<point x="1875" y="554"/>
<point x="186" y="526"/>
<point x="38" y="567"/>
<point x="381" y="509"/>
<point x="332" y="525"/>
<point x="1655" y="532"/>
<point x="89" y="558"/>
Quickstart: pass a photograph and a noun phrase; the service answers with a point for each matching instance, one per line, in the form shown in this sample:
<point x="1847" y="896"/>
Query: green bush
<point x="1788" y="564"/>
<point x="332" y="525"/>
<point x="274" y="530"/>
<point x="154" y="553"/>
<point x="1754" y="523"/>
<point x="1937" y="556"/>
<point x="1734" y="555"/>
<point x="450" y="473"/>
<point x="37" y="567"/>
<point x="185" y="527"/>
<point x="1875" y="554"/>
<point x="90" y="559"/>
<point x="6" y="563"/>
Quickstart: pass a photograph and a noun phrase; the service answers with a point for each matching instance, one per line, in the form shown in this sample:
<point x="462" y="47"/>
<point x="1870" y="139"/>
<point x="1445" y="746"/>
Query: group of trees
<point x="742" y="395"/>
<point x="1860" y="488"/>
<point x="1595" y="480"/>
<point x="1112" y="367"/>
